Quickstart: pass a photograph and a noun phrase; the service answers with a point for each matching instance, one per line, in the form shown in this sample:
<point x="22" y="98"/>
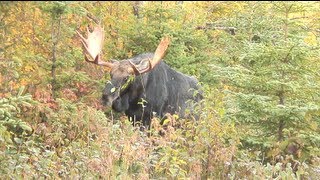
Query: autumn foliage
<point x="257" y="62"/>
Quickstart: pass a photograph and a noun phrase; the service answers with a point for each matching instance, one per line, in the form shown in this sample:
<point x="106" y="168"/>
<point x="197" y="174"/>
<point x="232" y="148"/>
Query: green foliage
<point x="273" y="88"/>
<point x="12" y="128"/>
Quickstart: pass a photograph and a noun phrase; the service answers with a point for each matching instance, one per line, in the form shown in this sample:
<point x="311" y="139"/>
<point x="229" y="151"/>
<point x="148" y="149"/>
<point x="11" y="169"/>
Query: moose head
<point x="122" y="73"/>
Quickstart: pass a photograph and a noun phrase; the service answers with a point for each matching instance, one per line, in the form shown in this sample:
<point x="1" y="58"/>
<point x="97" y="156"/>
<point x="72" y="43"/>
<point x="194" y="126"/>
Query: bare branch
<point x="93" y="18"/>
<point x="230" y="30"/>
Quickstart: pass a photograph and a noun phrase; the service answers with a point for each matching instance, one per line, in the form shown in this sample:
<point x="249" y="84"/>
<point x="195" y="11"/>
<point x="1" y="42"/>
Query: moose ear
<point x="143" y="66"/>
<point x="146" y="65"/>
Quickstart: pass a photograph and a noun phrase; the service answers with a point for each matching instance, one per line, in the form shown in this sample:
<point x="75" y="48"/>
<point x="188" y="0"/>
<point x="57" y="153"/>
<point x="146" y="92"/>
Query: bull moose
<point x="142" y="86"/>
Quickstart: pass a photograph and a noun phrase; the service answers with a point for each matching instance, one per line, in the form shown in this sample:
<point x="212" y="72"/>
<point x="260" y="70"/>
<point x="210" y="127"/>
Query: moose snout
<point x="106" y="100"/>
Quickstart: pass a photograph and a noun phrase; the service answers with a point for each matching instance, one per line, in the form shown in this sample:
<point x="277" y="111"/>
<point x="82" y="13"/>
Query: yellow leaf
<point x="28" y="68"/>
<point x="311" y="39"/>
<point x="23" y="82"/>
<point x="166" y="121"/>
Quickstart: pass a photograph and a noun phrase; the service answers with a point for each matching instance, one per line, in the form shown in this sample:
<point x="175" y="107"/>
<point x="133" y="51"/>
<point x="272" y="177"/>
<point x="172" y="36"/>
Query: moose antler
<point x="148" y="64"/>
<point x="160" y="51"/>
<point x="93" y="46"/>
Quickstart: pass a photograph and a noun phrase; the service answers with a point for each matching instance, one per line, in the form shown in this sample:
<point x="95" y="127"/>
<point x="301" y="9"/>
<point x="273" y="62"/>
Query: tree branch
<point x="230" y="30"/>
<point x="93" y="18"/>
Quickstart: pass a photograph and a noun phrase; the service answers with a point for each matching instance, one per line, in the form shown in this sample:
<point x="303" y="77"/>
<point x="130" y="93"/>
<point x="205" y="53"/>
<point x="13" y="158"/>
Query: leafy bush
<point x="12" y="128"/>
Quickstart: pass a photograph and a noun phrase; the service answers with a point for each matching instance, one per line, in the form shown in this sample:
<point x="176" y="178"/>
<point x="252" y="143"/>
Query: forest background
<point x="257" y="63"/>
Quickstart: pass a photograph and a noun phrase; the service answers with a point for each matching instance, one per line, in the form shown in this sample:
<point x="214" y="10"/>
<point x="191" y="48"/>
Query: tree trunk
<point x="285" y="60"/>
<point x="281" y="121"/>
<point x="136" y="8"/>
<point x="55" y="39"/>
